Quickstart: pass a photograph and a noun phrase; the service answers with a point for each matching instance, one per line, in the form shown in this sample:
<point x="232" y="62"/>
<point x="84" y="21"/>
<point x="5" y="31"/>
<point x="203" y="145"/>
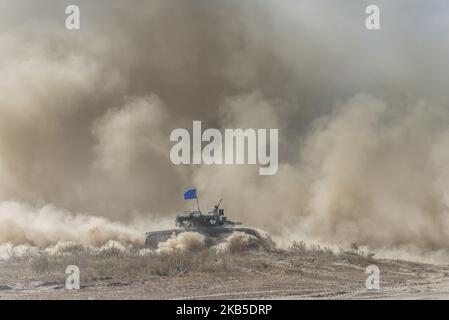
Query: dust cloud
<point x="362" y="116"/>
<point x="186" y="241"/>
<point x="21" y="224"/>
<point x="237" y="242"/>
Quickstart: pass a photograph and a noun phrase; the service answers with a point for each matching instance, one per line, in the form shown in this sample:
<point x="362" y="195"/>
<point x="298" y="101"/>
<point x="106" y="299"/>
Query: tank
<point x="214" y="225"/>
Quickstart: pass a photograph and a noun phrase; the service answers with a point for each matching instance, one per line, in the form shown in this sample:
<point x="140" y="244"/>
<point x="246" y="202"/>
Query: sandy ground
<point x="248" y="275"/>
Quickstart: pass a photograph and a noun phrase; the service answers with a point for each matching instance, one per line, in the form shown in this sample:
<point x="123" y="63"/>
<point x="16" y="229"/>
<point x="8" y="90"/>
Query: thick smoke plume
<point x="362" y="116"/>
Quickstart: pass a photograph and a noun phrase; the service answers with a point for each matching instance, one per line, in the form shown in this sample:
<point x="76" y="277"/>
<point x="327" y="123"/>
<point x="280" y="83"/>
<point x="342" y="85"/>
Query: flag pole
<point x="198" y="203"/>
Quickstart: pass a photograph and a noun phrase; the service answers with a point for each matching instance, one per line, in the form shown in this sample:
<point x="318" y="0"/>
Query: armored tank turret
<point x="196" y="219"/>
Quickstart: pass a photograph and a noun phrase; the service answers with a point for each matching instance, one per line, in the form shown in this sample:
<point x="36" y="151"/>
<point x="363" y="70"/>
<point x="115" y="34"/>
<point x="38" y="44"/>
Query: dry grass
<point x="343" y="253"/>
<point x="119" y="264"/>
<point x="116" y="263"/>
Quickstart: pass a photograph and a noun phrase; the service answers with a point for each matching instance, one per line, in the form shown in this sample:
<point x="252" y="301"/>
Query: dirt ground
<point x="282" y="274"/>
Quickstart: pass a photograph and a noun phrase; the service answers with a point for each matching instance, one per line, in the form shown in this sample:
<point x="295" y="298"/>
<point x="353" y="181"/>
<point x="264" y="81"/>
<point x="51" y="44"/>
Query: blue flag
<point x="190" y="194"/>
